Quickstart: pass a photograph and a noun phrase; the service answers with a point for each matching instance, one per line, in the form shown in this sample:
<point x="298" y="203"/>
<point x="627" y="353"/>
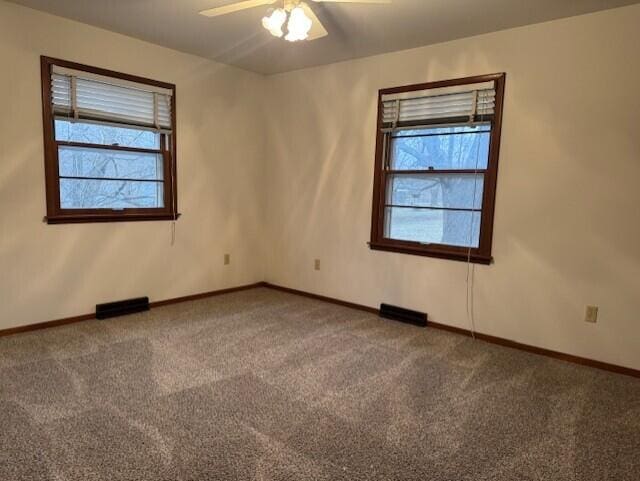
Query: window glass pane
<point x="453" y="191"/>
<point x="429" y="226"/>
<point x="110" y="194"/>
<point x="444" y="148"/>
<point x="447" y="129"/>
<point x="115" y="164"/>
<point x="90" y="133"/>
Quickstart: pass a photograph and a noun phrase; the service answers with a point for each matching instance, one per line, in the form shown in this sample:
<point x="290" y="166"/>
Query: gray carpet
<point x="262" y="385"/>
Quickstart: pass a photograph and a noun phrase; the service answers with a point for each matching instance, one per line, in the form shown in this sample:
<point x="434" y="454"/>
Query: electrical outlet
<point x="316" y="264"/>
<point x="591" y="314"/>
<point x="227" y="259"/>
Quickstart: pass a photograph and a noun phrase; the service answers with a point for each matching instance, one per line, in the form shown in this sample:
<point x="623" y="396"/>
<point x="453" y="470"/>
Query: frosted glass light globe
<point x="298" y="26"/>
<point x="275" y="22"/>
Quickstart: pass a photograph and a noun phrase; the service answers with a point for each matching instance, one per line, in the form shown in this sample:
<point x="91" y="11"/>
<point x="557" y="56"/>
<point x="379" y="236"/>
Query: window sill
<point x="111" y="217"/>
<point x="431" y="252"/>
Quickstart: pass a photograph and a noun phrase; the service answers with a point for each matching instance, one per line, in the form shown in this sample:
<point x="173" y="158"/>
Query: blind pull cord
<point x="74" y="97"/>
<point x="174" y="214"/>
<point x="471" y="268"/>
<point x="397" y="119"/>
<point x="385" y="161"/>
<point x="474" y="107"/>
<point x="156" y="122"/>
<point x="386" y="147"/>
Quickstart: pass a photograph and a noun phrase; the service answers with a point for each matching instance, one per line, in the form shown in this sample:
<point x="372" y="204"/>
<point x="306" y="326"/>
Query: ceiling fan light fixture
<point x="295" y="17"/>
<point x="298" y="26"/>
<point x="275" y="21"/>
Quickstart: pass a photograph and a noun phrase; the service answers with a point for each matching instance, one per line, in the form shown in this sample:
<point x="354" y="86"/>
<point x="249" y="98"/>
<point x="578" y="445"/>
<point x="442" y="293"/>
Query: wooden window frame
<point x="55" y="213"/>
<point x="479" y="255"/>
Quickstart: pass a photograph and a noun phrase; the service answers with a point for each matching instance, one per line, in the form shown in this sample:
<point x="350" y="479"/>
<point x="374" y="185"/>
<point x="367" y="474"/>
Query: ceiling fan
<point x="295" y="16"/>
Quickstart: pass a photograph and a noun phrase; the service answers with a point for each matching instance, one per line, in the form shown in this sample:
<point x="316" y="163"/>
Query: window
<point x="436" y="168"/>
<point x="109" y="145"/>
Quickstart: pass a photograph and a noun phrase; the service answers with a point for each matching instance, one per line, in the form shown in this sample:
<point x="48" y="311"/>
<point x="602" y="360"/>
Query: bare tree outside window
<point x="109" y="145"/>
<point x="435" y="178"/>
<point x="90" y="179"/>
<point x="450" y="148"/>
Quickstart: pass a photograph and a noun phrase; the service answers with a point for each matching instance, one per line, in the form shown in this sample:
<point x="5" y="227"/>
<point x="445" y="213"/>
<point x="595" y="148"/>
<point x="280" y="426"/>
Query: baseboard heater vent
<point x="120" y="308"/>
<point x="403" y="315"/>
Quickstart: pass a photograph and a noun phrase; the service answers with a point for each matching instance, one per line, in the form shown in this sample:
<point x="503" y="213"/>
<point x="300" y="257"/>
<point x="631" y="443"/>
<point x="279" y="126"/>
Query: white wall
<point x="50" y="272"/>
<point x="567" y="225"/>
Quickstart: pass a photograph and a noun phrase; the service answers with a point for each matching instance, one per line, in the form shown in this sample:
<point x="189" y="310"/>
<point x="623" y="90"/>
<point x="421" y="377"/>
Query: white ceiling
<point x="354" y="30"/>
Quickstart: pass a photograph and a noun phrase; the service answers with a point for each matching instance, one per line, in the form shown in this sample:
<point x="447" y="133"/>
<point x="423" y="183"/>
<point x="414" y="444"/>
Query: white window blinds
<point x="454" y="103"/>
<point x="83" y="95"/>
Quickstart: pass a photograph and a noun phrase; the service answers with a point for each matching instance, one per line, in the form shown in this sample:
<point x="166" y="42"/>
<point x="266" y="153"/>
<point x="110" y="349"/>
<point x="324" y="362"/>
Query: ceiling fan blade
<point x="317" y="29"/>
<point x="353" y="1"/>
<point x="235" y="7"/>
